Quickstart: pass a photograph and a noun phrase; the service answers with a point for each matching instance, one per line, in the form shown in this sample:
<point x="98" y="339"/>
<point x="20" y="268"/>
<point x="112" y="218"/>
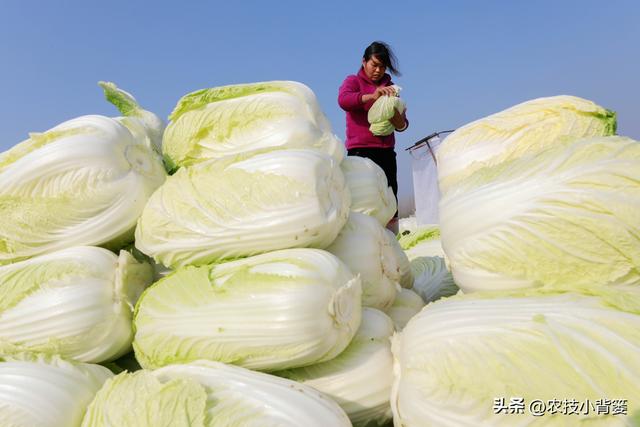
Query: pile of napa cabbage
<point x="540" y="230"/>
<point x="206" y="262"/>
<point x="232" y="268"/>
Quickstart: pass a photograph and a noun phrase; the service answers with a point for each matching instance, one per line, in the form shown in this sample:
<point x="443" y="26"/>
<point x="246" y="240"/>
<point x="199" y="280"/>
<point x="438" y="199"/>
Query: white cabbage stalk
<point x="210" y="394"/>
<point x="244" y="119"/>
<point x="407" y="304"/>
<point x="406" y="275"/>
<point x="370" y="191"/>
<point x="432" y="279"/>
<point x="144" y="125"/>
<point x="77" y="302"/>
<point x="277" y="310"/>
<point x="512" y="133"/>
<point x="568" y="215"/>
<point x="363" y="246"/>
<point x="360" y="378"/>
<point x="46" y="391"/>
<point x="422" y="241"/>
<point x="84" y="182"/>
<point x="383" y="110"/>
<point x="220" y="210"/>
<point x="459" y="356"/>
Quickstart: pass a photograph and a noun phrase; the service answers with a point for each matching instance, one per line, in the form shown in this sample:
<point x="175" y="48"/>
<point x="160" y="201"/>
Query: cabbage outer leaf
<point x="570" y="214"/>
<point x="46" y="391"/>
<point x="209" y="394"/>
<point x="245" y="119"/>
<point x="528" y="127"/>
<point x="223" y="210"/>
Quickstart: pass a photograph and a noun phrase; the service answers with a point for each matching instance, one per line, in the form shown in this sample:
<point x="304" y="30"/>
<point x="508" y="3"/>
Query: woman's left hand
<point x="397" y="120"/>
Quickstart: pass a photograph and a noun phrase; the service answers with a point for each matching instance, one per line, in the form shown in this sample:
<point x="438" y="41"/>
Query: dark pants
<point x="386" y="159"/>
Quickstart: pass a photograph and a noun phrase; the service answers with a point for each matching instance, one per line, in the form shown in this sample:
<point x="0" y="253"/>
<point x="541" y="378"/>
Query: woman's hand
<point x="398" y="120"/>
<point x="380" y="91"/>
<point x="384" y="90"/>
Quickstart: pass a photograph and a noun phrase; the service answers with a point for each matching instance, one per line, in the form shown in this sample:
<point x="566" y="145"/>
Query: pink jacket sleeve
<point x="349" y="96"/>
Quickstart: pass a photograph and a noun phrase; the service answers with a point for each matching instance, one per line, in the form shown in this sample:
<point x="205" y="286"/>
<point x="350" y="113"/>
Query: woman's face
<point x="374" y="68"/>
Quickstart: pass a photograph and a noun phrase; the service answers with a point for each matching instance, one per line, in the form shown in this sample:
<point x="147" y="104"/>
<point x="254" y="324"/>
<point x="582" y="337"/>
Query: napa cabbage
<point x="404" y="266"/>
<point x="359" y="379"/>
<point x="432" y="278"/>
<point x="209" y="394"/>
<point x="570" y="214"/>
<point x="83" y="182"/>
<point x="77" y="302"/>
<point x="277" y="310"/>
<point x="512" y="133"/>
<point x="370" y="191"/>
<point x="382" y="110"/>
<point x="244" y="119"/>
<point x="406" y="305"/>
<point x="363" y="245"/>
<point x="228" y="209"/>
<point x="459" y="356"/>
<point x="46" y="391"/>
<point x="421" y="241"/>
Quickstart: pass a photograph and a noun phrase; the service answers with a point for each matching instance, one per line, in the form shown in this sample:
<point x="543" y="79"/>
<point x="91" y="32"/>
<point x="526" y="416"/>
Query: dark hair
<point x="383" y="52"/>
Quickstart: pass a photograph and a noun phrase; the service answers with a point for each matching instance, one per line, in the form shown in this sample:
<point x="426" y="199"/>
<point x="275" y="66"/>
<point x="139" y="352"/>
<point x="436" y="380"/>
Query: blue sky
<point x="461" y="60"/>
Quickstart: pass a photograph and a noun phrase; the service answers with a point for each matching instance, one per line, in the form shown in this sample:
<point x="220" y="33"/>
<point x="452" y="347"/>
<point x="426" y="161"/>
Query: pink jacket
<point x="349" y="99"/>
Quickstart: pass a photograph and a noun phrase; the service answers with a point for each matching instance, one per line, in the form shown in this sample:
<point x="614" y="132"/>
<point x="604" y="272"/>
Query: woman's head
<point x="377" y="58"/>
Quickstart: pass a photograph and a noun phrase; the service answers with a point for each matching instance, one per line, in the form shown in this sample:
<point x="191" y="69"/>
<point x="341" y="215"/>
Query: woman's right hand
<point x="380" y="91"/>
<point x="384" y="90"/>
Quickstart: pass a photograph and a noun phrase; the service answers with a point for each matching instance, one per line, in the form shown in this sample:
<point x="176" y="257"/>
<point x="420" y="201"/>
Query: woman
<point x="356" y="96"/>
